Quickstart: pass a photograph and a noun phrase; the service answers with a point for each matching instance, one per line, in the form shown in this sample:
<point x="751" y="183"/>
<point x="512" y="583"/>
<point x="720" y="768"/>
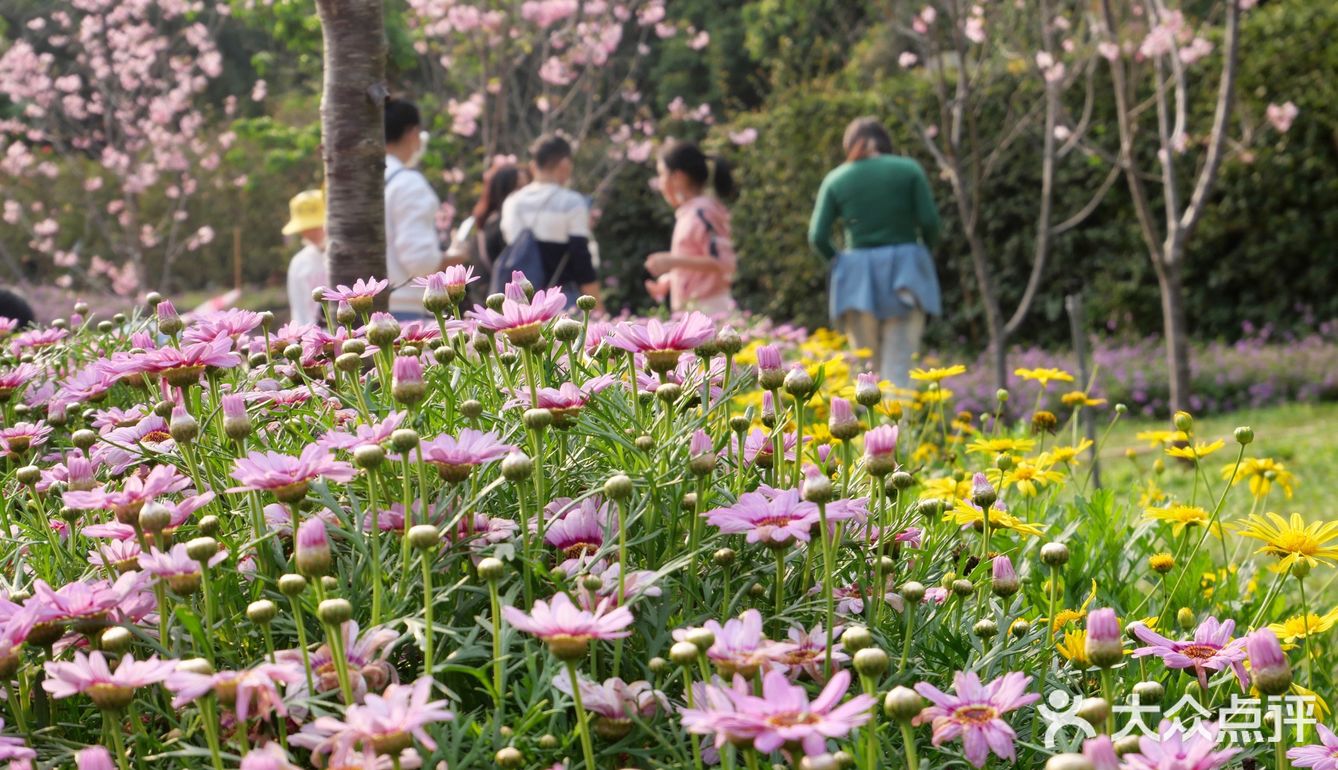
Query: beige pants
<point x="892" y="342"/>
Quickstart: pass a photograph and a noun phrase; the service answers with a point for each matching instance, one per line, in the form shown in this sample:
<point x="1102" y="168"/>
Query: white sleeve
<point x="414" y="213"/>
<point x="578" y="219"/>
<point x="509" y="225"/>
<point x="305" y="274"/>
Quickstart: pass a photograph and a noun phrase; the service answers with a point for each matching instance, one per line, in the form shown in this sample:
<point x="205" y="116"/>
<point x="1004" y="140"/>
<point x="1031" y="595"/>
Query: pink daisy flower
<point x="20" y="437"/>
<point x="14" y="381"/>
<point x="975" y="713"/>
<point x="783" y="716"/>
<point x="176" y="568"/>
<point x="1211" y="649"/>
<point x="36" y="340"/>
<point x="366" y="654"/>
<point x="286" y="476"/>
<point x="452" y="281"/>
<point x="806" y="652"/>
<point x="184" y="367"/>
<point x="757" y="448"/>
<point x="455" y="456"/>
<point x="161" y="480"/>
<point x="385" y="724"/>
<point x="120" y="555"/>
<point x="567" y="629"/>
<point x="253" y="692"/>
<point x="375" y="433"/>
<point x="565" y="401"/>
<point x="739" y="647"/>
<point x="776" y="522"/>
<point x="577" y="530"/>
<point x="615" y="702"/>
<point x="1174" y="750"/>
<point x="7" y="325"/>
<point x="663" y="343"/>
<point x="14" y="750"/>
<point x="637" y="583"/>
<point x="114" y="417"/>
<point x="87" y="606"/>
<point x="520" y="318"/>
<point x="225" y="324"/>
<point x="108" y="689"/>
<point x="271" y="756"/>
<point x="1319" y="756"/>
<point x="359" y="295"/>
<point x="121" y="448"/>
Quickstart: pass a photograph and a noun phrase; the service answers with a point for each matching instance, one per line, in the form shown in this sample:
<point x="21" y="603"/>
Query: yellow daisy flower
<point x="1074" y="648"/>
<point x="1063" y="455"/>
<point x="1080" y="398"/>
<point x="1156" y="438"/>
<point x="1028" y="478"/>
<point x="947" y="489"/>
<point x="1152" y="495"/>
<point x="937" y="373"/>
<point x="995" y="446"/>
<point x="1292" y="540"/>
<point x="935" y="396"/>
<point x="1262" y="473"/>
<point x="1065" y="617"/>
<point x="1297" y="626"/>
<point x="967" y="514"/>
<point x="1180" y="517"/>
<point x="1044" y="375"/>
<point x="1196" y="452"/>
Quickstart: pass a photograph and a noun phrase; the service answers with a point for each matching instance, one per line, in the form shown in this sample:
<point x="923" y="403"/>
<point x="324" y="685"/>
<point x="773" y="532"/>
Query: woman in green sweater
<point x="883" y="283"/>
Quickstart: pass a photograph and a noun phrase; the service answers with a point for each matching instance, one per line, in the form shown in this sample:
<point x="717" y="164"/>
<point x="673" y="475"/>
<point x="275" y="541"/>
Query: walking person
<point x="699" y="267"/>
<point x="478" y="241"/>
<point x="558" y="219"/>
<point x="413" y="247"/>
<point x="883" y="283"/>
<point x="306" y="271"/>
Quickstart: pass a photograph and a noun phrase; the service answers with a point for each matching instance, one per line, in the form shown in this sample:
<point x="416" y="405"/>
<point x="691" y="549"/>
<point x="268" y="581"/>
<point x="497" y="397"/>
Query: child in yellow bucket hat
<point x="306" y="271"/>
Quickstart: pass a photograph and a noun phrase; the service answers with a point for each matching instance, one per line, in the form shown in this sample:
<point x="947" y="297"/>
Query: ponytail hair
<point x="704" y="170"/>
<point x="864" y="137"/>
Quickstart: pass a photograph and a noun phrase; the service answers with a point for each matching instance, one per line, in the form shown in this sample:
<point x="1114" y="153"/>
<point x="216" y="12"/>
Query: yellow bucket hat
<point x="306" y="212"/>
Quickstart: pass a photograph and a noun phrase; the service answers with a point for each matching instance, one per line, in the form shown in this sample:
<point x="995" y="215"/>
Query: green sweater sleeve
<point x="926" y="213"/>
<point x="820" y="224"/>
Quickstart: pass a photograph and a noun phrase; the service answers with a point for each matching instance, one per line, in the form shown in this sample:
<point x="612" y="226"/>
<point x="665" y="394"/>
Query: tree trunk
<point x="1174" y="327"/>
<point x="353" y="139"/>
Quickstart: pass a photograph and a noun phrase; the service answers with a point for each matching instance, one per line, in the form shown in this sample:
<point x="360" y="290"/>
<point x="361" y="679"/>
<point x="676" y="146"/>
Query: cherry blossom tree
<point x="106" y="99"/>
<point x="1152" y="47"/>
<point x="961" y="47"/>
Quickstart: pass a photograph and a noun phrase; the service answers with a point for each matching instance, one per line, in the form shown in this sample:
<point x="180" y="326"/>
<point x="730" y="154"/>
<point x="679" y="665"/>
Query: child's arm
<point x="662" y="262"/>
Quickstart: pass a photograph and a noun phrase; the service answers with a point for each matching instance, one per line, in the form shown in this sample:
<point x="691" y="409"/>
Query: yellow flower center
<point x="788" y="720"/>
<point x="1294" y="542"/>
<point x="975" y="715"/>
<point x="1198" y="651"/>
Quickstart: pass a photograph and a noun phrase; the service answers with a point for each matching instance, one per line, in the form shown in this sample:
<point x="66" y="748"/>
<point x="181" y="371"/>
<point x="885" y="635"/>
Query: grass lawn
<point x="1301" y="436"/>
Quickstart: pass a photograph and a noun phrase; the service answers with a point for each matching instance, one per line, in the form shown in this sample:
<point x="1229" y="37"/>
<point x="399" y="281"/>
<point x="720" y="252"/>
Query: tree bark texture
<point x="353" y="139"/>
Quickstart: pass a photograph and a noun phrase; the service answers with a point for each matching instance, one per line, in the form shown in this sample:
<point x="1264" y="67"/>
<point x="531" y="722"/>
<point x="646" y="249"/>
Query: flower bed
<point x="522" y="537"/>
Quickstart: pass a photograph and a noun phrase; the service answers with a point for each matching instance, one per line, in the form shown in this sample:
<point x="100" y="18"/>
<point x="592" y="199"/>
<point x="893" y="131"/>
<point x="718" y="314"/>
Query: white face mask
<point x="418" y="153"/>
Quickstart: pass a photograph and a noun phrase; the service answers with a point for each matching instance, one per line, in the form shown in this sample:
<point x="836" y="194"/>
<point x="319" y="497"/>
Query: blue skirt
<point x="875" y="280"/>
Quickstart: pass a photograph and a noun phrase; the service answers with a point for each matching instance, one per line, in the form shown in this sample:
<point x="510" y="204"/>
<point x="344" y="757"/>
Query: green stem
<point x="428" y="657"/>
<point x="909" y="609"/>
<point x="113" y="728"/>
<point x="498" y="669"/>
<point x="210" y="721"/>
<point x="372" y="503"/>
<point x="581" y="724"/>
<point x="828" y="582"/>
<point x="908" y="739"/>
<point x="302" y="644"/>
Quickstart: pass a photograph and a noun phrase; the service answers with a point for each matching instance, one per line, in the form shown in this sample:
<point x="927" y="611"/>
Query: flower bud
<point x="586" y="303"/>
<point x="196" y="666"/>
<point x="208" y="525"/>
<point x="913" y="592"/>
<point x="330" y="583"/>
<point x="738" y="423"/>
<point x="1004" y="462"/>
<point x="592" y="583"/>
<point x="1054" y="554"/>
<point x="723" y="557"/>
<point x="115" y="640"/>
<point x="983" y="493"/>
<point x="1105" y="642"/>
<point x="618" y="487"/>
<point x="684" y="653"/>
<point x="1129" y="744"/>
<point x="183" y="427"/>
<point x="369" y="456"/>
<point x="903" y="704"/>
<point x="313" y="548"/>
<point x="28" y="475"/>
<point x="516" y="467"/>
<point x="1183" y="422"/>
<point x="424" y="537"/>
<point x="169" y="322"/>
<point x="1094" y="710"/>
<point x="1186" y="619"/>
<point x="1161" y="563"/>
<point x="567" y="330"/>
<point x="856" y="638"/>
<point x="1149" y="692"/>
<point x="509" y="757"/>
<point x="1244" y="435"/>
<point x="1004" y="581"/>
<point x="871" y="662"/>
<point x="348" y="362"/>
<point x="985" y="628"/>
<point x="1300" y="569"/>
<point x="901" y="481"/>
<point x="262" y="611"/>
<point x="404" y="439"/>
<point x="154" y="517"/>
<point x="1269" y="669"/>
<point x="702" y="638"/>
<point x="644" y="443"/>
<point x="292" y="585"/>
<point x="817" y="488"/>
<point x="963" y="587"/>
<point x="335" y="612"/>
<point x="1019" y="628"/>
<point x="867" y="393"/>
<point x="537" y="419"/>
<point x="658" y="665"/>
<point x="236" y="422"/>
<point x="443" y="354"/>
<point x="345" y="314"/>
<point x="491" y="569"/>
<point x="841" y="421"/>
<point x="202" y="549"/>
<point x="406" y="383"/>
<point x="728" y="341"/>
<point x="799" y="383"/>
<point x="818" y="762"/>
<point x="668" y="392"/>
<point x="1068" y="762"/>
